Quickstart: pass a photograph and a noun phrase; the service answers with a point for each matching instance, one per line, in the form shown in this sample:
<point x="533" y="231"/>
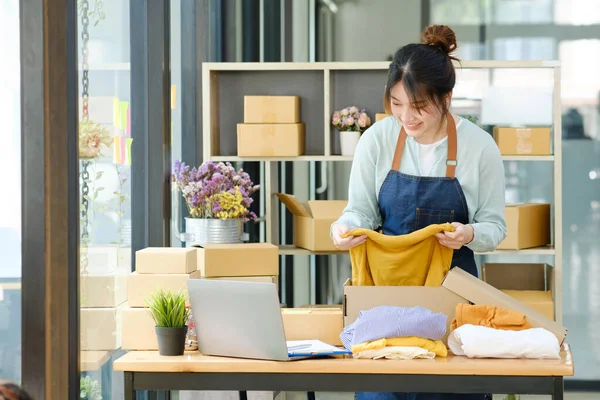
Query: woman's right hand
<point x="345" y="243"/>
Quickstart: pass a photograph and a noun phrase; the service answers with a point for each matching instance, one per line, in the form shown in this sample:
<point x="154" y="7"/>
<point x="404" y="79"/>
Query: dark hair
<point x="11" y="391"/>
<point x="425" y="69"/>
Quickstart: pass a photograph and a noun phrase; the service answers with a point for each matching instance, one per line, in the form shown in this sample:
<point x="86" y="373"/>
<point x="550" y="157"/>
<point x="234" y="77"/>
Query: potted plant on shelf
<point x="89" y="389"/>
<point x="218" y="199"/>
<point x="170" y="315"/>
<point x="350" y="122"/>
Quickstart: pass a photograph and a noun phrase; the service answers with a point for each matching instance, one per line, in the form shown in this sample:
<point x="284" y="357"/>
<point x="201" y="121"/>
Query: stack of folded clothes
<point x="396" y="333"/>
<point x="481" y="331"/>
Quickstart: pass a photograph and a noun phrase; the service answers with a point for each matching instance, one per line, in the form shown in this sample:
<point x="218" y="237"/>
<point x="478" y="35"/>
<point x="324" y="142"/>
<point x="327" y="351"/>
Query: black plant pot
<point x="171" y="341"/>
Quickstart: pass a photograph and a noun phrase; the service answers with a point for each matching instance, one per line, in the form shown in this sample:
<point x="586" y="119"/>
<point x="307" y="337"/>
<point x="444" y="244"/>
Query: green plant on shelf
<point x="89" y="389"/>
<point x="168" y="309"/>
<point x="513" y="397"/>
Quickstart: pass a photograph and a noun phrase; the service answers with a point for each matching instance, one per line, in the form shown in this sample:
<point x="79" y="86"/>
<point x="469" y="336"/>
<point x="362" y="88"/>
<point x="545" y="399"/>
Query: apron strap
<point x="452" y="146"/>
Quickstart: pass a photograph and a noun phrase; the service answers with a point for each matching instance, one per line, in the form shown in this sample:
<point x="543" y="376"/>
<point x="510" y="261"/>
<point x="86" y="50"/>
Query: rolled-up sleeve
<point x="362" y="210"/>
<point x="488" y="223"/>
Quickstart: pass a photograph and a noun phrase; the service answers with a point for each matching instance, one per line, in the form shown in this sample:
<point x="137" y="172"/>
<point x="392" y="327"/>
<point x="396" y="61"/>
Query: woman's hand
<point x="348" y="242"/>
<point x="462" y="235"/>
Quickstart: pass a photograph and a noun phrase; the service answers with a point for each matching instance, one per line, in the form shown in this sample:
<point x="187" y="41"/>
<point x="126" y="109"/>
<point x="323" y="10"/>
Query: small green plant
<point x="168" y="309"/>
<point x="513" y="397"/>
<point x="89" y="389"/>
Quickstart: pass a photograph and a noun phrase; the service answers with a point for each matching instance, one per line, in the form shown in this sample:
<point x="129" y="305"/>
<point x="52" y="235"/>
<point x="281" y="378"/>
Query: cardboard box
<point x="100" y="328"/>
<point x="165" y="260"/>
<point x="271" y="109"/>
<point x="380" y="116"/>
<point x="100" y="291"/>
<point x="312" y="221"/>
<point x="271" y="140"/>
<point x="324" y="324"/>
<point x="137" y="330"/>
<point x="528" y="225"/>
<point x="522" y="141"/>
<point x="243" y="259"/>
<point x="141" y="286"/>
<point x="458" y="287"/>
<point x="530" y="284"/>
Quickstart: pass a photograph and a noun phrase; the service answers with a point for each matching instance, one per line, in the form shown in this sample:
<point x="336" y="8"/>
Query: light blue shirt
<point x="479" y="170"/>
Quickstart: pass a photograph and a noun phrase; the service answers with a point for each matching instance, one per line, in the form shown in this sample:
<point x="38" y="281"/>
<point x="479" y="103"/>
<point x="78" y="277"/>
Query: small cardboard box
<point x="137" y="330"/>
<point x="458" y="287"/>
<point x="243" y="259"/>
<point x="165" y="260"/>
<point x="271" y="140"/>
<point x="380" y="116"/>
<point x="100" y="328"/>
<point x="324" y="324"/>
<point x="522" y="141"/>
<point x="312" y="221"/>
<point x="141" y="286"/>
<point x="271" y="109"/>
<point x="531" y="284"/>
<point x="528" y="225"/>
<point x="101" y="291"/>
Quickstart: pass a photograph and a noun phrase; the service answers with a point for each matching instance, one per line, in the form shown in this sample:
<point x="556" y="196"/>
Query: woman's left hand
<point x="455" y="240"/>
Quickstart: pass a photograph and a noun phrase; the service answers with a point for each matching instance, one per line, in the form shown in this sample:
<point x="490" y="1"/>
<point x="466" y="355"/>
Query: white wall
<point x="370" y="30"/>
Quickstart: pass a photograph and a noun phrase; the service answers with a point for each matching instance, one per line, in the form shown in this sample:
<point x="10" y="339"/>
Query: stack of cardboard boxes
<point x="103" y="288"/>
<point x="170" y="268"/>
<point x="272" y="127"/>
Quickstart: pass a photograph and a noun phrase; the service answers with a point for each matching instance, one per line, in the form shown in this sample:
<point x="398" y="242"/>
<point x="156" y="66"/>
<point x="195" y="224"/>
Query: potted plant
<point x="170" y="315"/>
<point x="350" y="122"/>
<point x="218" y="199"/>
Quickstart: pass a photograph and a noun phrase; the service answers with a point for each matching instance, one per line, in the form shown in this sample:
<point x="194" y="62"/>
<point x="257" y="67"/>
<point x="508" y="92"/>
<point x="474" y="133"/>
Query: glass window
<point x="105" y="141"/>
<point x="522" y="11"/>
<point x="524" y="48"/>
<point x="10" y="201"/>
<point x="576" y="12"/>
<point x="459" y="12"/>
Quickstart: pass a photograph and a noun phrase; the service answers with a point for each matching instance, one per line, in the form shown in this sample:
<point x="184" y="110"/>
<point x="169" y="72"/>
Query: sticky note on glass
<point x="122" y="150"/>
<point x="173" y="97"/>
<point x="123" y="107"/>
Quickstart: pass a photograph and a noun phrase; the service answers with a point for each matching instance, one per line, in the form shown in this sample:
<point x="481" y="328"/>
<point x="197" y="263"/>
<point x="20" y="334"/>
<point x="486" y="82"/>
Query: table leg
<point x="129" y="390"/>
<point x="243" y="395"/>
<point x="559" y="388"/>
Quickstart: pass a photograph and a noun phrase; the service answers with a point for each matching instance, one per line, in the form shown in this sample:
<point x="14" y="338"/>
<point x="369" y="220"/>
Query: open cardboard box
<point x="312" y="221"/>
<point x="458" y="287"/>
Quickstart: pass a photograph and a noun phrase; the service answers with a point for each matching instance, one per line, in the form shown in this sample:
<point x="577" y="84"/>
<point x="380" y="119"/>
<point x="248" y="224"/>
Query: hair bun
<point x="440" y="36"/>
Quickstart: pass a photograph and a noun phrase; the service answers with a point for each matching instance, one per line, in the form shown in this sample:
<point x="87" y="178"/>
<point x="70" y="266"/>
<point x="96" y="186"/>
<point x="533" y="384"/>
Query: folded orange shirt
<point x="414" y="259"/>
<point x="490" y="316"/>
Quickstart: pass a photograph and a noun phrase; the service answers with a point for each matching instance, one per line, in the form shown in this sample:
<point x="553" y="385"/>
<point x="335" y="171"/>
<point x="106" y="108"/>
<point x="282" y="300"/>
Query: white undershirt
<point x="427" y="155"/>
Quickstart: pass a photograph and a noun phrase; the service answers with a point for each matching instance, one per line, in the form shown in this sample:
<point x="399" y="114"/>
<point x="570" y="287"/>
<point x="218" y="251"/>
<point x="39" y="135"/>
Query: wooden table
<point x="193" y="371"/>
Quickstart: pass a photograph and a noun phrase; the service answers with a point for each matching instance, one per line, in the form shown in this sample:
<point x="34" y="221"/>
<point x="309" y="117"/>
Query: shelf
<point x="375" y="65"/>
<point x="277" y="159"/>
<point x="292" y="250"/>
<point x="350" y="158"/>
<point x="528" y="158"/>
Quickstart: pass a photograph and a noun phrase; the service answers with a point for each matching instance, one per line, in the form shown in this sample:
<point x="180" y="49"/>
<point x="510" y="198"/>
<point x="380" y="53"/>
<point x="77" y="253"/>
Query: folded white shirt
<point x="396" y="353"/>
<point x="476" y="341"/>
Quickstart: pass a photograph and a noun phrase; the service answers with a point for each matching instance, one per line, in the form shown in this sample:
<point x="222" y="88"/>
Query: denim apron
<point x="408" y="203"/>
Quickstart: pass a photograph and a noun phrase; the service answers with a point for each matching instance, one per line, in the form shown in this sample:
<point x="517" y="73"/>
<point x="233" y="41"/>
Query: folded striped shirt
<point x="391" y="321"/>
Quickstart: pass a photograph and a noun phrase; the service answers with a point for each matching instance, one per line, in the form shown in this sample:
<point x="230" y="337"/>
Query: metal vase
<point x="201" y="231"/>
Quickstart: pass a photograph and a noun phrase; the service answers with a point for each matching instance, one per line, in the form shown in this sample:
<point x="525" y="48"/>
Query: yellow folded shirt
<point x="415" y="259"/>
<point x="436" y="346"/>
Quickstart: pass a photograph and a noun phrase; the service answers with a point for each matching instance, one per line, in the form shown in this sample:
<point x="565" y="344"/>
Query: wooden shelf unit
<point x="322" y="89"/>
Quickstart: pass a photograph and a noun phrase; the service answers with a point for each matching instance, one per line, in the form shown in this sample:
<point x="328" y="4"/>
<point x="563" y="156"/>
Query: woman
<point x="424" y="165"/>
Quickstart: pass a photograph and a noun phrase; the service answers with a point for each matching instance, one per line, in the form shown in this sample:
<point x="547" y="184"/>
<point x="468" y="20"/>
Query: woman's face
<point x="423" y="124"/>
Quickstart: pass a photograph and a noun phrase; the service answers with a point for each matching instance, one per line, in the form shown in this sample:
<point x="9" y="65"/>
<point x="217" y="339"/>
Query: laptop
<point x="243" y="319"/>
